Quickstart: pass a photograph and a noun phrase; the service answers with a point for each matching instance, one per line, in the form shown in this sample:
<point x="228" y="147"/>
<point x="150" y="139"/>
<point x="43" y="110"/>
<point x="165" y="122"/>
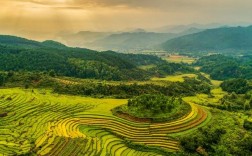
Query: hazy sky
<point x="43" y="18"/>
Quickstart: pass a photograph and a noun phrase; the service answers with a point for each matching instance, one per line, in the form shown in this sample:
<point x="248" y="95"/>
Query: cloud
<point x="161" y="5"/>
<point x="51" y="16"/>
<point x="156" y="4"/>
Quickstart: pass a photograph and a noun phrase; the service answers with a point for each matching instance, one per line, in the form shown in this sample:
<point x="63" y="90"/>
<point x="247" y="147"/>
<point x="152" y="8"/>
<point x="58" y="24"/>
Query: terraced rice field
<point x="50" y="124"/>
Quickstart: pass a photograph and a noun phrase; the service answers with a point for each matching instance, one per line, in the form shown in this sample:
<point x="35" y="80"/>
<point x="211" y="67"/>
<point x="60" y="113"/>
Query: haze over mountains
<point x="172" y="38"/>
<point x="187" y="39"/>
<point x="217" y="40"/>
<point x="168" y="38"/>
<point x="123" y="41"/>
<point x="185" y="28"/>
<point x="130" y="39"/>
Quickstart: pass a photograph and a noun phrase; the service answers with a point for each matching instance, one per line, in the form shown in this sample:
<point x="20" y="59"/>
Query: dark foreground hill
<point x="232" y="39"/>
<point x="19" y="54"/>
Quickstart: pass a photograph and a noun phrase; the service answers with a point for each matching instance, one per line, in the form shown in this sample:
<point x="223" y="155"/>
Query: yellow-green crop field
<point x="44" y="123"/>
<point x="180" y="58"/>
<point x="175" y="78"/>
<point x="216" y="83"/>
<point x="204" y="99"/>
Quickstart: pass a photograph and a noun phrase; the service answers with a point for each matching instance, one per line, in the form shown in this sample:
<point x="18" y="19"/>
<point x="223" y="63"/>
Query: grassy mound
<point x="153" y="108"/>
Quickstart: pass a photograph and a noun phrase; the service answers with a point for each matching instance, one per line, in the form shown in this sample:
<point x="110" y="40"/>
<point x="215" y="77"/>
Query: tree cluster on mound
<point x="222" y="67"/>
<point x="149" y="106"/>
<point x="153" y="108"/>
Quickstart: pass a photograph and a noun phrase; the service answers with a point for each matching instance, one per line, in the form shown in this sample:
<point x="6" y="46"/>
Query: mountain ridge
<point x="218" y="39"/>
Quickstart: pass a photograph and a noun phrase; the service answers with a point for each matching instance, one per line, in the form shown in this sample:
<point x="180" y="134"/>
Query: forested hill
<point x="219" y="39"/>
<point x="19" y="54"/>
<point x="7" y="40"/>
<point x="222" y="67"/>
<point x="22" y="43"/>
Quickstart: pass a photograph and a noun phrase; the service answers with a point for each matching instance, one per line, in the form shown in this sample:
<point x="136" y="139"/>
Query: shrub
<point x="239" y="86"/>
<point x="247" y="124"/>
<point x="148" y="105"/>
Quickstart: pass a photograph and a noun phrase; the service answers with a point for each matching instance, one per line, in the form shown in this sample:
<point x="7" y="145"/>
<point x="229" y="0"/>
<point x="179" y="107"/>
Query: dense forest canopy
<point x="222" y="67"/>
<point x="152" y="105"/>
<point x="18" y="54"/>
<point x="187" y="88"/>
<point x="78" y="62"/>
<point x="239" y="86"/>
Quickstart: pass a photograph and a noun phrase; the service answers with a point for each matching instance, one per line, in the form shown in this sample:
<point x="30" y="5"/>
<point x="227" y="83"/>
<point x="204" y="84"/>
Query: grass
<point x="216" y="83"/>
<point x="180" y="59"/>
<point x="175" y="78"/>
<point x="202" y="99"/>
<point x="146" y="67"/>
<point x="68" y="80"/>
<point x="155" y="80"/>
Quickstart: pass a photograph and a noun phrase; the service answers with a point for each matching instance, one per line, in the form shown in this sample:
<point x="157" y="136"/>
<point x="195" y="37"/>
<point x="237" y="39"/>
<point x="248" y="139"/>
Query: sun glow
<point x="54" y="16"/>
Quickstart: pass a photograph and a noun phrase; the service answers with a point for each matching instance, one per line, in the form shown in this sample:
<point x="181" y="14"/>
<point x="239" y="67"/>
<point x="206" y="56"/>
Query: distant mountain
<point x="138" y="30"/>
<point x="23" y="43"/>
<point x="132" y="40"/>
<point x="219" y="39"/>
<point x="82" y="38"/>
<point x="183" y="28"/>
<point x="18" y="42"/>
<point x="191" y="31"/>
<point x="53" y="44"/>
<point x="119" y="41"/>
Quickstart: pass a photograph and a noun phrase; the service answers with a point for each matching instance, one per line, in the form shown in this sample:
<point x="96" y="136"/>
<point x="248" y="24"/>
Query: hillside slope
<point x="19" y="54"/>
<point x="219" y="40"/>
